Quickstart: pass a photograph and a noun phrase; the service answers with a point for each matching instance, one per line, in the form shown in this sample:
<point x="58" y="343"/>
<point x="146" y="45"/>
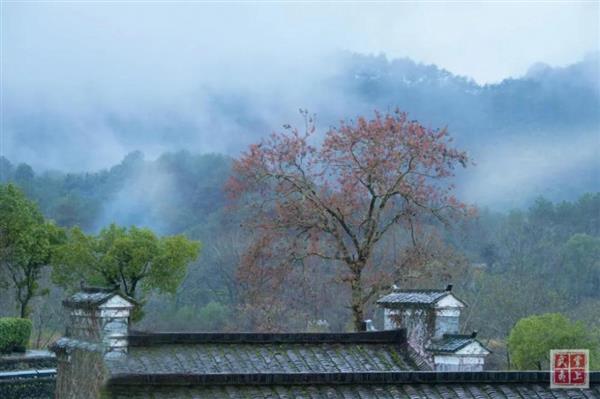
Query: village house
<point x="419" y="354"/>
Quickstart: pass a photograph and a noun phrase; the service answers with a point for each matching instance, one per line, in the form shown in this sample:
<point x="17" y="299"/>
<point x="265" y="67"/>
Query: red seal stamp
<point x="569" y="368"/>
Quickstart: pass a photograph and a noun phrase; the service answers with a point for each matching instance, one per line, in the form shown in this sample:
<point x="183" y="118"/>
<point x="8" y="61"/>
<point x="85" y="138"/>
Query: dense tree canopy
<point x="26" y="241"/>
<point x="533" y="337"/>
<point x="129" y="258"/>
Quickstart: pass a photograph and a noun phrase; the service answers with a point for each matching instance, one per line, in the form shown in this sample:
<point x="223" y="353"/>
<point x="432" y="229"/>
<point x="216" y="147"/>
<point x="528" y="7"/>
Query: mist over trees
<point x="509" y="126"/>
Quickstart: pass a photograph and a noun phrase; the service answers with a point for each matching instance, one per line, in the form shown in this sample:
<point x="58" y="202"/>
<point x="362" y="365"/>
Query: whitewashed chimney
<point x="431" y="319"/>
<point x="447" y="314"/>
<point x="101" y="317"/>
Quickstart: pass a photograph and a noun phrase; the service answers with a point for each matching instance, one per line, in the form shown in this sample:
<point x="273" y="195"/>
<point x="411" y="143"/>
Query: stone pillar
<point x="97" y="330"/>
<point x="418" y="321"/>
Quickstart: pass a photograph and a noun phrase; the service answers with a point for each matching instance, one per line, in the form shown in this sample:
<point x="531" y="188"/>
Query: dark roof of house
<point x="413" y="297"/>
<point x="243" y="353"/>
<point x="305" y="365"/>
<point x="434" y="385"/>
<point x="92" y="296"/>
<point x="451" y="343"/>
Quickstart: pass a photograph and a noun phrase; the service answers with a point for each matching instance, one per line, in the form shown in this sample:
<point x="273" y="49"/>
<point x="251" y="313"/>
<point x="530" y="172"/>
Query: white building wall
<point x="458" y="363"/>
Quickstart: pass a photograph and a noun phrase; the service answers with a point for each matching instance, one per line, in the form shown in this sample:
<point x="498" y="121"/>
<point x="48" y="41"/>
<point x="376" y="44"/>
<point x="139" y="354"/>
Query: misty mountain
<point x="545" y="98"/>
<point x="537" y="134"/>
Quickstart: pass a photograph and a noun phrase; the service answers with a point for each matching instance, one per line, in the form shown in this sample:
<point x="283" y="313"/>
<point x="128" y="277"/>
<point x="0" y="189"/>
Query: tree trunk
<point x="357" y="296"/>
<point x="23" y="312"/>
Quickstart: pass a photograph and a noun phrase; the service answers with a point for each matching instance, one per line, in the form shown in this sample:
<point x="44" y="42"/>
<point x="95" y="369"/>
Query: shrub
<point x="14" y="334"/>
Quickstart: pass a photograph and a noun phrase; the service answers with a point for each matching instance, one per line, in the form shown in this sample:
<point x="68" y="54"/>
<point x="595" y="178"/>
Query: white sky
<point x="48" y="45"/>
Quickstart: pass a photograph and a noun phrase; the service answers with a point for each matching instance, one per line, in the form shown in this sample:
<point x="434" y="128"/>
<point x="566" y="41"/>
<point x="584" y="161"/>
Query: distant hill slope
<point x="545" y="98"/>
<point x="537" y="134"/>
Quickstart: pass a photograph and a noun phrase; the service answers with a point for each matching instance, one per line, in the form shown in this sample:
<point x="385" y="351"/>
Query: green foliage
<point x="215" y="315"/>
<point x="167" y="315"/>
<point x="130" y="258"/>
<point x="14" y="334"/>
<point x="26" y="241"/>
<point x="539" y="260"/>
<point x="581" y="257"/>
<point x="533" y="337"/>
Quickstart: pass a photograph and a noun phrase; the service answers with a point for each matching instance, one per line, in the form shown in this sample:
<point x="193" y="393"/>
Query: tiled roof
<point x="87" y="299"/>
<point x="408" y="391"/>
<point x="451" y="343"/>
<point x="66" y="344"/>
<point x="91" y="297"/>
<point x="264" y="353"/>
<point x="413" y="385"/>
<point x="415" y="297"/>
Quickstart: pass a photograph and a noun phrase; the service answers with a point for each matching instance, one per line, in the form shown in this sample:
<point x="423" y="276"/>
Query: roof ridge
<point x="141" y="338"/>
<point x="96" y="290"/>
<point x="420" y="290"/>
<point x="379" y="377"/>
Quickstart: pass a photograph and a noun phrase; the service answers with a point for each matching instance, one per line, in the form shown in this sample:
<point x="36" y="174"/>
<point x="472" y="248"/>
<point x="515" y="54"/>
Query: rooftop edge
<point x="408" y="377"/>
<point x="141" y="338"/>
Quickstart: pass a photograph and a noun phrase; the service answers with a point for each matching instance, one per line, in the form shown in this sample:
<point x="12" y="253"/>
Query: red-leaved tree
<point x="336" y="200"/>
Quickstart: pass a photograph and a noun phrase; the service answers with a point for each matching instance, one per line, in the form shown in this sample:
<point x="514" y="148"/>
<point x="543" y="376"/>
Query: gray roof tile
<point x="93" y="296"/>
<point x="357" y="391"/>
<point x="364" y="385"/>
<point x="263" y="358"/>
<point x="451" y="343"/>
<point x="414" y="297"/>
<point x="88" y="298"/>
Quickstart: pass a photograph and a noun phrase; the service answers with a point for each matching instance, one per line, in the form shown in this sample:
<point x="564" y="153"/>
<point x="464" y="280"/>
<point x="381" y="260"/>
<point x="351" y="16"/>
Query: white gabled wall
<point x="447" y="316"/>
<point x="458" y="363"/>
<point x="469" y="358"/>
<point x="449" y="301"/>
<point x="474" y="348"/>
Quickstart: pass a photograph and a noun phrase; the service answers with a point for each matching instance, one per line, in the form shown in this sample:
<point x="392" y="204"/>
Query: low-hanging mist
<point x="536" y="135"/>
